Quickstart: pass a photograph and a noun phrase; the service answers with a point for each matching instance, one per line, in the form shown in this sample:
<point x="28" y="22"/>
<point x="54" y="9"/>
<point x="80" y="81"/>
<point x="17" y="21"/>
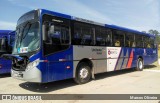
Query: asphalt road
<point x="120" y="82"/>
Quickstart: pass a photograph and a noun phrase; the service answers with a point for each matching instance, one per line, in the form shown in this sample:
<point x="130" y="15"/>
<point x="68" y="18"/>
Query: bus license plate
<point x="18" y="75"/>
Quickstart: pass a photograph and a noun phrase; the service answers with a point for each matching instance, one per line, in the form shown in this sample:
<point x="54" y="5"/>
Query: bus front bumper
<point x="31" y="75"/>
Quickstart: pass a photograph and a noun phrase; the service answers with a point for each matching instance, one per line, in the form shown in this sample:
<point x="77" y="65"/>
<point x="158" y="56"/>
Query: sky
<point x="141" y="15"/>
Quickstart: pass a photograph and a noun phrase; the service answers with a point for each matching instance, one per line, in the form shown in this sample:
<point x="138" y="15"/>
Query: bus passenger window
<point x="60" y="35"/>
<point x="64" y="35"/>
<point x="117" y="43"/>
<point x="133" y="44"/>
<point x="83" y="34"/>
<point x="148" y="46"/>
<point x="100" y="36"/>
<point x="152" y="42"/>
<point x="55" y="35"/>
<point x="139" y="41"/>
<point x="76" y="39"/>
<point x="108" y="38"/>
<point x="147" y="42"/>
<point x="86" y="40"/>
<point x="118" y="38"/>
<point x="129" y="40"/>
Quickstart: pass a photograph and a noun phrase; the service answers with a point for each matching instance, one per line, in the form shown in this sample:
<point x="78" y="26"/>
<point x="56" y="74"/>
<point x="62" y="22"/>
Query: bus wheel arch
<point x="84" y="65"/>
<point x="140" y="63"/>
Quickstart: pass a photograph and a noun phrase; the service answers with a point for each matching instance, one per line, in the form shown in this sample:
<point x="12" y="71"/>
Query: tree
<point x="157" y="34"/>
<point x="154" y="32"/>
<point x="144" y="31"/>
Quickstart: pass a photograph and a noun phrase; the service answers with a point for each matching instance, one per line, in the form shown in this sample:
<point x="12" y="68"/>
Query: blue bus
<point x="51" y="46"/>
<point x="6" y="44"/>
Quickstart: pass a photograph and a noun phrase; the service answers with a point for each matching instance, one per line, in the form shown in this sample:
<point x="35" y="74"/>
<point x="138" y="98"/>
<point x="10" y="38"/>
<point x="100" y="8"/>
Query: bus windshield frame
<point x="28" y="38"/>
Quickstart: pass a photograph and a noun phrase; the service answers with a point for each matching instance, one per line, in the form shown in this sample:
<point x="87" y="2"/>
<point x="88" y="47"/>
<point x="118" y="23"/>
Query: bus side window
<point x="129" y="40"/>
<point x="60" y="35"/>
<point x="152" y="42"/>
<point x="100" y="36"/>
<point x="149" y="42"/>
<point x="83" y="34"/>
<point x="87" y="38"/>
<point x="134" y="44"/>
<point x="56" y="35"/>
<point x="65" y="35"/>
<point x="117" y="43"/>
<point x="139" y="41"/>
<point x="76" y="40"/>
<point x="108" y="37"/>
<point x="118" y="38"/>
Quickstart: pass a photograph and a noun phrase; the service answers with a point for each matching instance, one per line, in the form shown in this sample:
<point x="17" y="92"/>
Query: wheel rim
<point x="140" y="65"/>
<point x="83" y="73"/>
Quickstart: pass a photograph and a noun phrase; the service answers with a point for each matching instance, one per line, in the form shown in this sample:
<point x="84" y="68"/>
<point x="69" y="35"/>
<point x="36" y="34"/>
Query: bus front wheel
<point x="83" y="73"/>
<point x="140" y="65"/>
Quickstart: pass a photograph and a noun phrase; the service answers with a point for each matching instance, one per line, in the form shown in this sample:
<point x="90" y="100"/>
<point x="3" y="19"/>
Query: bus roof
<point x="6" y="32"/>
<point x="128" y="30"/>
<point x="12" y="33"/>
<point x="44" y="11"/>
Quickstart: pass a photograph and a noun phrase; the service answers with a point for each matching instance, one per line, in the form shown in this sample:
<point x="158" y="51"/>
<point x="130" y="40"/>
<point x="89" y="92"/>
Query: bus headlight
<point x="33" y="64"/>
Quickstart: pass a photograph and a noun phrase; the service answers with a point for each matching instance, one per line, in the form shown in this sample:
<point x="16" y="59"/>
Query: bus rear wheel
<point x="140" y="65"/>
<point x="83" y="73"/>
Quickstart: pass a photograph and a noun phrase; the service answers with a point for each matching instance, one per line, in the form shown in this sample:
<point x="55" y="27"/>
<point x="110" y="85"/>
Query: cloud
<point x="7" y="25"/>
<point x="77" y="8"/>
<point x="73" y="7"/>
<point x="22" y="3"/>
<point x="140" y="15"/>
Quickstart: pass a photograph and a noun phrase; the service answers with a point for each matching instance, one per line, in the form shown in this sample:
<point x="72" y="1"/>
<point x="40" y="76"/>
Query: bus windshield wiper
<point x="23" y="36"/>
<point x="27" y="31"/>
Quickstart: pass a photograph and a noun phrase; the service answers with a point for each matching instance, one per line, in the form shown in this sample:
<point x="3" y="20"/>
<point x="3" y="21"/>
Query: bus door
<point x="59" y="53"/>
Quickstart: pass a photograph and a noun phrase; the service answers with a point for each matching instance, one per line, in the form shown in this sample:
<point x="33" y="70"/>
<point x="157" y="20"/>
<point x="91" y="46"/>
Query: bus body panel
<point x="5" y="65"/>
<point x="112" y="58"/>
<point x="63" y="64"/>
<point x="36" y="74"/>
<point x="60" y="65"/>
<point x="96" y="54"/>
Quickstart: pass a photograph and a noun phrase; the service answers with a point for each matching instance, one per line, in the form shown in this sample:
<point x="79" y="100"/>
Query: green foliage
<point x="144" y="31"/>
<point x="157" y="34"/>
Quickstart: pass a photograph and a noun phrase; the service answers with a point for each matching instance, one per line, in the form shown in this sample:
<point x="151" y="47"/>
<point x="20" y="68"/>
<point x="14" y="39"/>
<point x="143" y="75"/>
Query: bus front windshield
<point x="27" y="38"/>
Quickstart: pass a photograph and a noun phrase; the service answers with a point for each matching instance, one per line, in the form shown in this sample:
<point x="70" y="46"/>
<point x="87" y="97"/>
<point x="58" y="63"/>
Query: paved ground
<point x="121" y="82"/>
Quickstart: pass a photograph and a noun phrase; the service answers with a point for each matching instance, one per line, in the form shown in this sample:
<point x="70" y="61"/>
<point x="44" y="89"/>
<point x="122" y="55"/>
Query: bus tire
<point x="140" y="65"/>
<point x="83" y="73"/>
